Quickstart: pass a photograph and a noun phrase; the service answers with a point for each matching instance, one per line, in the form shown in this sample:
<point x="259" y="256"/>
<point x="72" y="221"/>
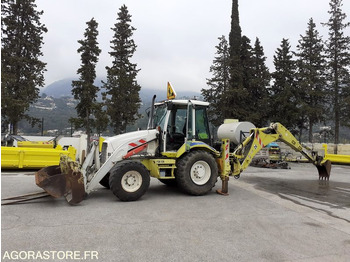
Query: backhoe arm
<point x="287" y="137"/>
<point x="243" y="155"/>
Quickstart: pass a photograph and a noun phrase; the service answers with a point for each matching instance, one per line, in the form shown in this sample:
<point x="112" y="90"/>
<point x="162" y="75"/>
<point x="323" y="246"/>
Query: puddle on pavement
<point x="331" y="193"/>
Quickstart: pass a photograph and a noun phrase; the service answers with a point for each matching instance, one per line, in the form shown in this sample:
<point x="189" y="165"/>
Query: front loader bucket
<point x="324" y="170"/>
<point x="51" y="180"/>
<point x="65" y="180"/>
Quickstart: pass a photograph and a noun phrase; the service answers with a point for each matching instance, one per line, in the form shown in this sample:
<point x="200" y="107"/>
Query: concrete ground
<point x="270" y="215"/>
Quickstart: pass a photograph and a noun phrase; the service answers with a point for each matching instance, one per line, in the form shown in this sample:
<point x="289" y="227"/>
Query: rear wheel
<point x="197" y="173"/>
<point x="129" y="180"/>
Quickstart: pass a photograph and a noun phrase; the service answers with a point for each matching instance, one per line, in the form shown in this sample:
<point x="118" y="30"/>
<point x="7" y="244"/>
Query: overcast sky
<point x="175" y="39"/>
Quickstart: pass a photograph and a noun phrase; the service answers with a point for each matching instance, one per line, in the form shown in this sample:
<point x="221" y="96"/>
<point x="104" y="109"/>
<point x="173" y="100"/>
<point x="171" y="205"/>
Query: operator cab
<point x="181" y="121"/>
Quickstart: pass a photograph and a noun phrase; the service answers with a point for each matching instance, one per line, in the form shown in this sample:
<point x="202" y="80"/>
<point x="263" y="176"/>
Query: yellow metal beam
<point x="340" y="159"/>
<point x="37" y="144"/>
<point x="31" y="157"/>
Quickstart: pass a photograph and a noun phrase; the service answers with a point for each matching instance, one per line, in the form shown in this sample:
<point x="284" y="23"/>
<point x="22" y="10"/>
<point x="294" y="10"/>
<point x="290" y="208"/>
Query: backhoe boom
<point x="243" y="155"/>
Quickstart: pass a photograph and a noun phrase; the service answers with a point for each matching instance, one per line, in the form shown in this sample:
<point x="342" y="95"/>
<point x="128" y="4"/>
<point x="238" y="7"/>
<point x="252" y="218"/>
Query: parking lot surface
<point x="270" y="215"/>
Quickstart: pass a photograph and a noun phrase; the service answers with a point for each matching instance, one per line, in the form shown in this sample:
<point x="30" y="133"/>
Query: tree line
<point x="121" y="100"/>
<point x="21" y="68"/>
<point x="22" y="71"/>
<point x="307" y="87"/>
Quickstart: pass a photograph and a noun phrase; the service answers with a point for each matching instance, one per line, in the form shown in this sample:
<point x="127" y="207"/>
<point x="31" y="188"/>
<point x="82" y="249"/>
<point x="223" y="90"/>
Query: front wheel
<point x="197" y="173"/>
<point x="129" y="180"/>
<point x="105" y="181"/>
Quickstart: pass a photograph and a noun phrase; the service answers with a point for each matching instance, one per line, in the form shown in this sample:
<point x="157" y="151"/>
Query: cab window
<point x="202" y="126"/>
<point x="159" y="116"/>
<point x="176" y="129"/>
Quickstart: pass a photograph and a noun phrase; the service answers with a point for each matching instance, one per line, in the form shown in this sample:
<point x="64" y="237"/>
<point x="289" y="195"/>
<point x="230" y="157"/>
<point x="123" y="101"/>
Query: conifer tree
<point x="338" y="61"/>
<point x="311" y="76"/>
<point x="21" y="68"/>
<point x="122" y="90"/>
<point x="259" y="95"/>
<point x="285" y="107"/>
<point x="233" y="105"/>
<point x="219" y="83"/>
<point x="235" y="41"/>
<point x="255" y="81"/>
<point x="246" y="58"/>
<point x="84" y="89"/>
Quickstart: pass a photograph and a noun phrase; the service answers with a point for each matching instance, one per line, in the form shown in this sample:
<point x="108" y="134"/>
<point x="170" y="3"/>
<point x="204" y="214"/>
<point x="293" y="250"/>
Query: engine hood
<point x="132" y="138"/>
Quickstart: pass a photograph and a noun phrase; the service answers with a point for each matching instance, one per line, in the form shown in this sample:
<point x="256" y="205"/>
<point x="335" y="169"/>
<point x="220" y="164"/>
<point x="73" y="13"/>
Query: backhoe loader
<point x="177" y="148"/>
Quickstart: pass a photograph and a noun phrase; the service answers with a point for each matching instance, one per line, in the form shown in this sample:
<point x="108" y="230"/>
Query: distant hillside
<point x="57" y="105"/>
<point x="63" y="88"/>
<point x="55" y="112"/>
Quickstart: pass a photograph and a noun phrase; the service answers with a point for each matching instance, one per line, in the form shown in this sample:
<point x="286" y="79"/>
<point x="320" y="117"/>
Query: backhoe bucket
<point x="64" y="180"/>
<point x="324" y="170"/>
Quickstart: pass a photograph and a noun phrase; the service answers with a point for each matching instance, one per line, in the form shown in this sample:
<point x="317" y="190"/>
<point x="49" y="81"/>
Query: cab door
<point x="201" y="123"/>
<point x="176" y="127"/>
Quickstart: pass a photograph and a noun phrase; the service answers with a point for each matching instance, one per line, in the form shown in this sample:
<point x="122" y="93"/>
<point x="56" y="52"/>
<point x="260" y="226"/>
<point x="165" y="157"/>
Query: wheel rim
<point x="200" y="172"/>
<point x="131" y="181"/>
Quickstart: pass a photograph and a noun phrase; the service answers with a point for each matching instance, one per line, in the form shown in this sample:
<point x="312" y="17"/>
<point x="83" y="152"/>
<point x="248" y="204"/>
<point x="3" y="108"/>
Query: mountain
<point x="63" y="88"/>
<point x="59" y="88"/>
<point x="56" y="106"/>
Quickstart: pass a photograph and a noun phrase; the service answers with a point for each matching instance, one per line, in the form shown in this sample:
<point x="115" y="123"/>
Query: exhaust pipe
<point x="151" y="115"/>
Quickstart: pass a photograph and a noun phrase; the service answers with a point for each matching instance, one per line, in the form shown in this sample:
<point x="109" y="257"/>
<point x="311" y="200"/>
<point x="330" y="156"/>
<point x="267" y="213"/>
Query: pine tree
<point x="255" y="81"/>
<point x="219" y="83"/>
<point x="235" y="40"/>
<point x="311" y="76"/>
<point x="122" y="90"/>
<point x="246" y="58"/>
<point x="21" y="69"/>
<point x="338" y="59"/>
<point x="285" y="107"/>
<point x="234" y="105"/>
<point x="84" y="89"/>
<point x="259" y="95"/>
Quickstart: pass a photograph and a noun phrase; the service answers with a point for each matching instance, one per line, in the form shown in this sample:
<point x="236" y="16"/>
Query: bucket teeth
<point x="75" y="191"/>
<point x="324" y="170"/>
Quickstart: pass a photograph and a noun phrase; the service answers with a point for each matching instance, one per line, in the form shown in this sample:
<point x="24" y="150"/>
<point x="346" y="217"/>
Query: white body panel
<point x="116" y="141"/>
<point x="115" y="149"/>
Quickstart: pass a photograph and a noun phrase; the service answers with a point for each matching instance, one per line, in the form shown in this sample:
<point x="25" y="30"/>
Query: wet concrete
<point x="300" y="186"/>
<point x="328" y="193"/>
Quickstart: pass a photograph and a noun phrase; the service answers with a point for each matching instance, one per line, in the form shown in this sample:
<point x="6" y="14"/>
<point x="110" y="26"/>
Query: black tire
<point x="168" y="182"/>
<point x="129" y="180"/>
<point x="105" y="181"/>
<point x="197" y="173"/>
